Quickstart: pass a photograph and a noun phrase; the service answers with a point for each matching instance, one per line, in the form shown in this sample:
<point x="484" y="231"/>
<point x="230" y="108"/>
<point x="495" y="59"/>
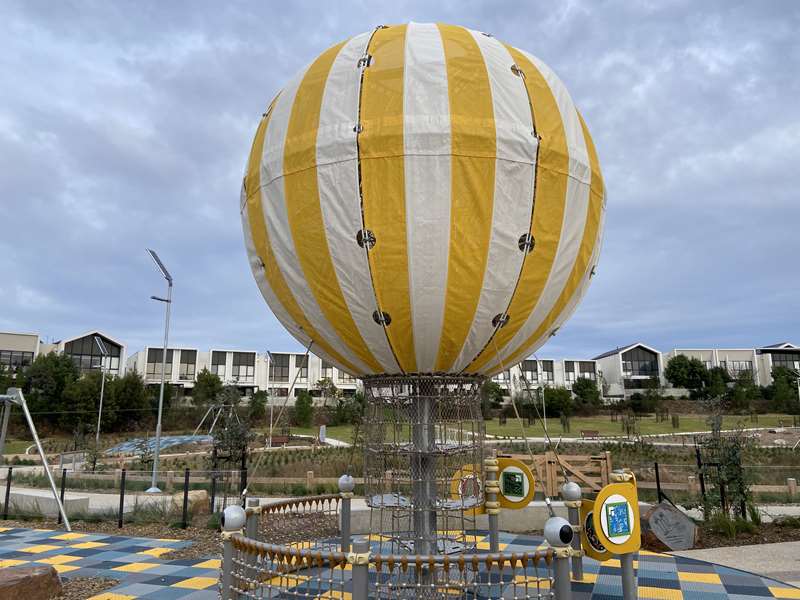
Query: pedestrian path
<point x="133" y="561"/>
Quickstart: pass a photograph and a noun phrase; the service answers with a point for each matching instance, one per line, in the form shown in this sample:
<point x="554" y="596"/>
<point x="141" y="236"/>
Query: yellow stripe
<point x="473" y="152"/>
<point x="305" y="212"/>
<point x="581" y="265"/>
<point x="383" y="186"/>
<point x="258" y="229"/>
<point x="552" y="170"/>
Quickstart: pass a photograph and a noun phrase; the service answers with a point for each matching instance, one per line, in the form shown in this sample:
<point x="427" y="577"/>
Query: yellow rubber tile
<point x="196" y="583"/>
<point x="65" y="568"/>
<point x="12" y="562"/>
<point x="136" y="567"/>
<point x="5" y="528"/>
<point x="38" y="549"/>
<point x="167" y="540"/>
<point x="69" y="536"/>
<point x="782" y="592"/>
<point x="699" y="577"/>
<point x="213" y="563"/>
<point x="485" y="546"/>
<point x="110" y="596"/>
<point x="614" y="562"/>
<point x="156" y="551"/>
<point x="659" y="593"/>
<point x="84" y="545"/>
<point x="587" y="578"/>
<point x="650" y="553"/>
<point x="48" y="530"/>
<point x="533" y="582"/>
<point x="337" y="595"/>
<point x="58" y="559"/>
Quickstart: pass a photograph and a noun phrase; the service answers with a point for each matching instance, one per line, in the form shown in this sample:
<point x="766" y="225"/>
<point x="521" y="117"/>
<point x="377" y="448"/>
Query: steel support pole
<point x="154" y="482"/>
<point x="345" y="524"/>
<point x="251" y="525"/>
<point x="43" y="456"/>
<point x="561" y="575"/>
<point x="573" y="510"/>
<point x="492" y="505"/>
<point x="423" y="475"/>
<point x="226" y="578"/>
<point x="4" y="429"/>
<point x="359" y="558"/>
<point x="628" y="577"/>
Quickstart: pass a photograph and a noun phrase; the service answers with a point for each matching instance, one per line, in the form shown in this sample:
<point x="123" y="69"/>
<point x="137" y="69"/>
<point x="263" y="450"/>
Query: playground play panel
<point x="136" y="564"/>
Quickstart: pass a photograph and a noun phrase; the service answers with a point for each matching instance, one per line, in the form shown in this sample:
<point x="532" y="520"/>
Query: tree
<point x="46" y="381"/>
<point x="685" y="372"/>
<point x="718" y="379"/>
<point x="744" y="395"/>
<point x="257" y="409"/>
<point x="303" y="409"/>
<point x="130" y="396"/>
<point x="328" y="390"/>
<point x="558" y="401"/>
<point x="207" y="388"/>
<point x="587" y="395"/>
<point x="782" y="392"/>
<point x="491" y="397"/>
<point x="82" y="401"/>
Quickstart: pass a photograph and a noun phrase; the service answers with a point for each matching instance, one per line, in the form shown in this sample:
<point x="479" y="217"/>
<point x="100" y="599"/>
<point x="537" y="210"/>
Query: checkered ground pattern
<point x="136" y="564"/>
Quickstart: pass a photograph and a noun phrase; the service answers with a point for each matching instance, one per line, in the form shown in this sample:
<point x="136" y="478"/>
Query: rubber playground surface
<point x="136" y="564"/>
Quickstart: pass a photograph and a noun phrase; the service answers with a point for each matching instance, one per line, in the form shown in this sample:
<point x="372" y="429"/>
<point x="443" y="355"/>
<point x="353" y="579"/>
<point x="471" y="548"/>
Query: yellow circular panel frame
<point x="616" y="518"/>
<point x="516" y="481"/>
<point x="462" y="478"/>
<point x="590" y="543"/>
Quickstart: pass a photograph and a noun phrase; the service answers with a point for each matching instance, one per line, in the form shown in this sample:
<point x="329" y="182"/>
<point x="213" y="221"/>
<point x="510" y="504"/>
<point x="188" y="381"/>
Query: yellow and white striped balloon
<point x="423" y="198"/>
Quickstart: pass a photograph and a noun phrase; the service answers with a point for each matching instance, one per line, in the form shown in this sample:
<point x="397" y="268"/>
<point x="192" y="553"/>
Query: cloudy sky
<point x="127" y="124"/>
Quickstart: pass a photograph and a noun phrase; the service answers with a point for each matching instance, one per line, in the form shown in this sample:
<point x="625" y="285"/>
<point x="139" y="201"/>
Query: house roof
<point x="780" y="346"/>
<point x="622" y="349"/>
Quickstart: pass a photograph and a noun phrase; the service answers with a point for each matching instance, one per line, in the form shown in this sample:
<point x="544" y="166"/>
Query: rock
<point x="779" y="442"/>
<point x="38" y="582"/>
<point x="198" y="502"/>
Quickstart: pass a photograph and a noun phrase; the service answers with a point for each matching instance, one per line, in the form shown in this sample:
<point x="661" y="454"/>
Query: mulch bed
<point x="80" y="588"/>
<point x="768" y="533"/>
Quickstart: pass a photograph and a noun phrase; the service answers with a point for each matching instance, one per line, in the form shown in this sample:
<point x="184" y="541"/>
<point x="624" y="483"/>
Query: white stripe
<point x="513" y="193"/>
<point x="280" y="235"/>
<point x="337" y="178"/>
<point x="261" y="280"/>
<point x="573" y="303"/>
<point x="575" y="214"/>
<point x="427" y="145"/>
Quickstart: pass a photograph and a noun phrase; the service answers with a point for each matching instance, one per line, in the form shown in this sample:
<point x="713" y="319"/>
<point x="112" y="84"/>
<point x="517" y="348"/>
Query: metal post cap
<point x="571" y="491"/>
<point x="233" y="518"/>
<point x="558" y="532"/>
<point x="346" y="483"/>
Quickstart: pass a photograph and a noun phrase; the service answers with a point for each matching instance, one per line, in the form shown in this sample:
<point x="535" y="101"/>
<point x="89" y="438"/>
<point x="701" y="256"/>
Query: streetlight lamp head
<point x="160" y="299"/>
<point x="160" y="265"/>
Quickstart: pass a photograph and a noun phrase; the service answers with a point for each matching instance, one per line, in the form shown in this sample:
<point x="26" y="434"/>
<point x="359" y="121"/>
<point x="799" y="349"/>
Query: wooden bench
<point x="278" y="440"/>
<point x="590" y="434"/>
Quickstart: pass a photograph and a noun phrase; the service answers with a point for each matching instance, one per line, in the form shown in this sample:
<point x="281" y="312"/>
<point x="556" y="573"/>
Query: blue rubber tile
<point x="136" y="589"/>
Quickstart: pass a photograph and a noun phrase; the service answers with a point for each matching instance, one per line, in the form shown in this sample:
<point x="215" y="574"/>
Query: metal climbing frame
<point x="423" y="453"/>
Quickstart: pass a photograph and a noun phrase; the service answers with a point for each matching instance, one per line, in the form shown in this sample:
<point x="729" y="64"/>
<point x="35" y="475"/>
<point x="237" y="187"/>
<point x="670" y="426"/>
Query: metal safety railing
<point x="301" y="548"/>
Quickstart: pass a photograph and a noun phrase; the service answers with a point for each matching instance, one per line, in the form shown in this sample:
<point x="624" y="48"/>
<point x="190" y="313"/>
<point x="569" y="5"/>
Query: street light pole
<point x="269" y="398"/>
<point x="168" y="301"/>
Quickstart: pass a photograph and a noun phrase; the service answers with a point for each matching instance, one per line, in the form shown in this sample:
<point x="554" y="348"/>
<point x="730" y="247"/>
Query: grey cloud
<point x="125" y="125"/>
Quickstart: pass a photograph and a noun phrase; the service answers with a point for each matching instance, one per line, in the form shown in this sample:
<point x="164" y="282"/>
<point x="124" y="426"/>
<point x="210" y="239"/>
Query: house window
<point x="301" y="363"/>
<point x="86" y="355"/>
<point x="587" y="370"/>
<point x="502" y="376"/>
<point x="327" y="370"/>
<point x="529" y="370"/>
<point x="787" y="360"/>
<point x="346" y="377"/>
<point x="153" y="370"/>
<point x="547" y="371"/>
<point x="218" y="364"/>
<point x="279" y="367"/>
<point x="638" y="362"/>
<point x="244" y="367"/>
<point x="186" y="369"/>
<point x="13" y="359"/>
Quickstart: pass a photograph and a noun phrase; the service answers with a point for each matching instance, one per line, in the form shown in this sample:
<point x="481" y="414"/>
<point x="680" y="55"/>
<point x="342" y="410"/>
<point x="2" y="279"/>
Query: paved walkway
<point x="781" y="561"/>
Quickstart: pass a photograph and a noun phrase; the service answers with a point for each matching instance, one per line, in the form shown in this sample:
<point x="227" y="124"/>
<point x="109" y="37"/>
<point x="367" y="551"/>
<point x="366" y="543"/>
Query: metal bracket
<point x="364" y="61"/>
<point x="358" y="558"/>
